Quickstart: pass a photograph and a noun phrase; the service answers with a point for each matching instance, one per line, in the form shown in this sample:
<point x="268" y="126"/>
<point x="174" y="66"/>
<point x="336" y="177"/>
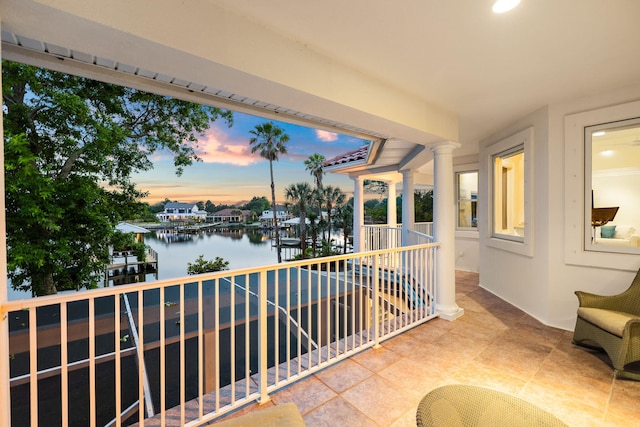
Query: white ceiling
<point x="490" y="69"/>
<point x="484" y="69"/>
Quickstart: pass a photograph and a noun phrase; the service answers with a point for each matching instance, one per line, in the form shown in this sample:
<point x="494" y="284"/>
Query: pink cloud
<point x="216" y="147"/>
<point x="326" y="136"/>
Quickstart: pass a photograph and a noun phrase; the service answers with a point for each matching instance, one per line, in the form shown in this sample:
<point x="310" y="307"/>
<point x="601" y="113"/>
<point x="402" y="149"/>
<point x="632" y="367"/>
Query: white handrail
<point x="324" y="310"/>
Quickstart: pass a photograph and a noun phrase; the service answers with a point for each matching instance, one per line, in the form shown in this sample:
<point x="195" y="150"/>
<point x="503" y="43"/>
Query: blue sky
<point x="230" y="173"/>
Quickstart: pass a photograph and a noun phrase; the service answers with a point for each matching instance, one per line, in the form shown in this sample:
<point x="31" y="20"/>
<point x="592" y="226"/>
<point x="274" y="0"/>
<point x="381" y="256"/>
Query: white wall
<point x="518" y="278"/>
<point x="467" y="251"/>
<point x="543" y="285"/>
<point x="566" y="278"/>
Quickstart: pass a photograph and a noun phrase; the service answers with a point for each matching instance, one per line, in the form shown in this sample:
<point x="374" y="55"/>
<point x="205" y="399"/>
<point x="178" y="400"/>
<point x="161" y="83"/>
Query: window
<point x="582" y="174"/>
<point x="612" y="187"/>
<point x="508" y="194"/>
<point x="467" y="191"/>
<point x="509" y="166"/>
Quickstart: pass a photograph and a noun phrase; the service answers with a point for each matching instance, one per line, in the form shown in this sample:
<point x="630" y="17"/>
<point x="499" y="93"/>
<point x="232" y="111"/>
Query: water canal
<point x="242" y="249"/>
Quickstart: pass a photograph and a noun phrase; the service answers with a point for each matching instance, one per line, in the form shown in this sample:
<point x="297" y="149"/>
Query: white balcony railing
<point x="378" y="237"/>
<point x="188" y="350"/>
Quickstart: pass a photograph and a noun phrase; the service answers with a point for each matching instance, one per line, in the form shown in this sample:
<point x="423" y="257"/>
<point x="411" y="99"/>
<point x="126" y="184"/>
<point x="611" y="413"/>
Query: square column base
<point x="452" y="316"/>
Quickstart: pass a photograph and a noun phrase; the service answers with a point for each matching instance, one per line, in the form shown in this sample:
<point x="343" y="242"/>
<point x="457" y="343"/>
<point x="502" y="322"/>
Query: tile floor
<point x="493" y="345"/>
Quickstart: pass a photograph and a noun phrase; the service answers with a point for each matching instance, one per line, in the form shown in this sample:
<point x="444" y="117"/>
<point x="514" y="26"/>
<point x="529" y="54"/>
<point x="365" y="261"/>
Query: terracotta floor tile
<point x="376" y="359"/>
<point x="344" y="375"/>
<point x="407" y="420"/>
<point x="625" y="400"/>
<point x="487" y="376"/>
<point x="382" y="400"/>
<point x="306" y="394"/>
<point x="415" y="376"/>
<point x="494" y="345"/>
<point x="337" y="412"/>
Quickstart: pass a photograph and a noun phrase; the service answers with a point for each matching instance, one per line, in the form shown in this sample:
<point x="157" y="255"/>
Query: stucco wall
<point x="520" y="279"/>
<point x="543" y="285"/>
<point x="566" y="278"/>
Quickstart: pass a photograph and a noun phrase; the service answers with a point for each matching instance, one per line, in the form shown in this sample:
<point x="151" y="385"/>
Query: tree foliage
<point x="270" y="141"/>
<point x="71" y="146"/>
<point x="299" y="194"/>
<point x="257" y="205"/>
<point x="201" y="265"/>
<point x="315" y="165"/>
<point x="375" y="187"/>
<point x="332" y="197"/>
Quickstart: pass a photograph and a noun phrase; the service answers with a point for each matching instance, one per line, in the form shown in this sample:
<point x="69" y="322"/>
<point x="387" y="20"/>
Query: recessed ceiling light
<point x="501" y="6"/>
<point x="607" y="153"/>
<point x="599" y="133"/>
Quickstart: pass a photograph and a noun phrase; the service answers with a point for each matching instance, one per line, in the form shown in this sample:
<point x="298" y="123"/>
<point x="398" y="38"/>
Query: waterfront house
<point x="182" y="212"/>
<point x="503" y="114"/>
<point x="282" y="215"/>
<point x="229" y="215"/>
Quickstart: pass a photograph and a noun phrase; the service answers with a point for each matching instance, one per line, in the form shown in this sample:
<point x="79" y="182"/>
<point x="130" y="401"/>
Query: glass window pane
<point x="467" y="183"/>
<point x="508" y="194"/>
<point x="615" y="186"/>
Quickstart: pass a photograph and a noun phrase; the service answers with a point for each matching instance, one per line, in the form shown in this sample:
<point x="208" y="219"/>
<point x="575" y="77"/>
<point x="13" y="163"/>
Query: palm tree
<point x="315" y="165"/>
<point x="332" y="196"/>
<point x="270" y="140"/>
<point x="299" y="194"/>
<point x="344" y="214"/>
<point x="314" y="229"/>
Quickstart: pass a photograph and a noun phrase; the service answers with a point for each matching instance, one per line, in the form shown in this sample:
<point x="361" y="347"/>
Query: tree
<point x="209" y="207"/>
<point x="315" y="165"/>
<point x="332" y="197"/>
<point x="314" y="230"/>
<point x="200" y="265"/>
<point x="299" y="194"/>
<point x="257" y="205"/>
<point x="423" y="205"/>
<point x="71" y="146"/>
<point x="375" y="187"/>
<point x="344" y="215"/>
<point x="270" y="141"/>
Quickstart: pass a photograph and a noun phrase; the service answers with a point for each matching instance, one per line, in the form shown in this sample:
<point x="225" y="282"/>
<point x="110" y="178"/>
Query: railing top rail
<point x="16" y="305"/>
<point x="419" y="233"/>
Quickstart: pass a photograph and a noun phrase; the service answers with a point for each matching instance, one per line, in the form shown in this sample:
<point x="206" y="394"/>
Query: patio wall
<point x="543" y="284"/>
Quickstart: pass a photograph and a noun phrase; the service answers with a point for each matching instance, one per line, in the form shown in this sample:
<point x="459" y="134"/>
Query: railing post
<point x="376" y="302"/>
<point x="262" y="338"/>
<point x="5" y="389"/>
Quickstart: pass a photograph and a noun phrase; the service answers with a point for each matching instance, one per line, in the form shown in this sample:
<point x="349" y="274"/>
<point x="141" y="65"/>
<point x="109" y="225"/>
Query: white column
<point x="444" y="230"/>
<point x="5" y="402"/>
<point x="392" y="210"/>
<point x="358" y="213"/>
<point x="408" y="205"/>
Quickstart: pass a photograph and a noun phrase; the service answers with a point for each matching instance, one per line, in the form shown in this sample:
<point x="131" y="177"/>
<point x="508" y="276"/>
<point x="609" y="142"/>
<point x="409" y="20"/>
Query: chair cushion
<point x="609" y="320"/>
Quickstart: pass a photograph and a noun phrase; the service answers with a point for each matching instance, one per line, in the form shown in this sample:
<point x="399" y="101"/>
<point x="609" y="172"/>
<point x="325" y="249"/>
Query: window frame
<point x="574" y="218"/>
<point x="523" y="245"/>
<point x="589" y="244"/>
<point x="504" y="217"/>
<point x="458" y="173"/>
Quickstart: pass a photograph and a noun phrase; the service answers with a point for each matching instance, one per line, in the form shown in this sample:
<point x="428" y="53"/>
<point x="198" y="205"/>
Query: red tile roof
<point x="352" y="156"/>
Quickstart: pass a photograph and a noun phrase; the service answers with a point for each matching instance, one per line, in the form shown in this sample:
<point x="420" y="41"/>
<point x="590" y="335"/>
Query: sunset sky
<point x="230" y="173"/>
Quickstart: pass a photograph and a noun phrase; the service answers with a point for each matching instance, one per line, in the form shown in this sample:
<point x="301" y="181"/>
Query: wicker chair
<point x="613" y="323"/>
<point x="465" y="405"/>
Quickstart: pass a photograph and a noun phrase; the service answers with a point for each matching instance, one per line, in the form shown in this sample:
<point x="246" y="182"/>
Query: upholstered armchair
<point x="613" y="324"/>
